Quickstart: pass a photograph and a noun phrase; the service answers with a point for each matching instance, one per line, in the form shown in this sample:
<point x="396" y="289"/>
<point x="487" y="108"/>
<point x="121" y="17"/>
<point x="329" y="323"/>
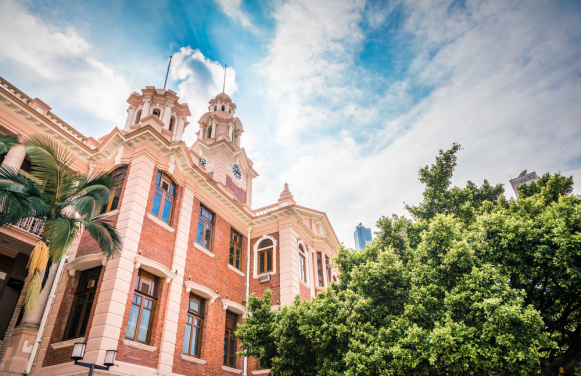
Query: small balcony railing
<point x="33" y="225"/>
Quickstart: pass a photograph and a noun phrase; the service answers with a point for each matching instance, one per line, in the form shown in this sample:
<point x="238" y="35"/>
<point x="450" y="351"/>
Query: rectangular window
<point x="265" y="261"/>
<point x="320" y="269"/>
<point x="142" y="308"/>
<point x="119" y="176"/>
<point x="328" y="275"/>
<point x="230" y="340"/>
<point x="193" y="332"/>
<point x="303" y="266"/>
<point x="163" y="198"/>
<point x="235" y="249"/>
<point x="205" y="228"/>
<point x="82" y="304"/>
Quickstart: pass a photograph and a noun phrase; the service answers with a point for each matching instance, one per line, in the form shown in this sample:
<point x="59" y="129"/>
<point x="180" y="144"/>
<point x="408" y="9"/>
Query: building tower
<point x="362" y="236"/>
<point x="219" y="151"/>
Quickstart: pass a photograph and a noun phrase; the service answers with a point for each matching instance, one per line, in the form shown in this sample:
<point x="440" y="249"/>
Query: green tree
<point x="64" y="200"/>
<point x="474" y="284"/>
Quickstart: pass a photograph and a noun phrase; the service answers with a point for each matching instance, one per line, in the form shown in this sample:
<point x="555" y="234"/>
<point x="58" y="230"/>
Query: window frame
<point x="303" y="265"/>
<point x="171" y="125"/>
<point x="320" y="276"/>
<point x="265" y="250"/>
<point x="78" y="293"/>
<point x="144" y="296"/>
<point x="236" y="257"/>
<point x="205" y="222"/>
<point x="137" y="117"/>
<point x="200" y="315"/>
<point x="119" y="185"/>
<point x="164" y="194"/>
<point x="157" y="112"/>
<point x="230" y="332"/>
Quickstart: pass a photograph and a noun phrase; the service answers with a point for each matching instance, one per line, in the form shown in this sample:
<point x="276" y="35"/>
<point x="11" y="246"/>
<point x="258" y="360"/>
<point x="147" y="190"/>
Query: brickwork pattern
<point x="239" y="193"/>
<point x="63" y="355"/>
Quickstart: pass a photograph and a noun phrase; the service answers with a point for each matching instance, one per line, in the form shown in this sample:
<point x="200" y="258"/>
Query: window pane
<point x="261" y="262"/>
<point x="144" y="325"/>
<point x="200" y="237"/>
<point x="269" y="260"/>
<point x="171" y="189"/>
<point x="231" y="259"/>
<point x="196" y="341"/>
<point x="158" y="179"/>
<point x="238" y="257"/>
<point x="166" y="209"/>
<point x="208" y="237"/>
<point x="132" y="323"/>
<point x="156" y="202"/>
<point x="86" y="316"/>
<point x="232" y="349"/>
<point x="194" y="306"/>
<point x="116" y="196"/>
<point x="187" y="337"/>
<point x="226" y="347"/>
<point x="75" y="321"/>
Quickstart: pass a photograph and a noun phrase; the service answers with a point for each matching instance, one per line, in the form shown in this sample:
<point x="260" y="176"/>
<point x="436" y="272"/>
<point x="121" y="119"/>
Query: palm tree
<point x="64" y="200"/>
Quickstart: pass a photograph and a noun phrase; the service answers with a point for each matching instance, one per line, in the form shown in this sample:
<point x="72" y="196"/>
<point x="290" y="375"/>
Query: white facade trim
<point x="203" y="291"/>
<point x="200" y="248"/>
<point x="234" y="307"/>
<point x="255" y="251"/>
<point x="233" y="268"/>
<point x="154" y="267"/>
<point x="160" y="222"/>
<point x="86" y="262"/>
<point x="231" y="370"/>
<point x="193" y="359"/>
<point x="69" y="343"/>
<point x="305" y="253"/>
<point x="138" y="345"/>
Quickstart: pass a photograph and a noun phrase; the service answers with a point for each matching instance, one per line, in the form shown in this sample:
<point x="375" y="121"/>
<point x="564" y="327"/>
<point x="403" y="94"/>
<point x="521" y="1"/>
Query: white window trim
<point x="193" y="359"/>
<point x="255" y="250"/>
<point x="138" y="345"/>
<point x="85" y="263"/>
<point x="204" y="250"/>
<point x="305" y="253"/>
<point x="234" y="307"/>
<point x="200" y="290"/>
<point x="154" y="268"/>
<point x="231" y="370"/>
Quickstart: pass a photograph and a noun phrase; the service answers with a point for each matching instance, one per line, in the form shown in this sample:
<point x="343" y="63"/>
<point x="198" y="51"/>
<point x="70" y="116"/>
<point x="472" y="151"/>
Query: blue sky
<point x="342" y="100"/>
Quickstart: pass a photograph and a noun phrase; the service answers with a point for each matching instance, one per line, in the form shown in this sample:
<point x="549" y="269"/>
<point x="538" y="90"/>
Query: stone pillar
<point x="289" y="262"/>
<point x="32" y="320"/>
<point x="172" y="312"/>
<point x="166" y="115"/>
<point x="108" y="320"/>
<point x="145" y="109"/>
<point x="15" y="157"/>
<point x="130" y="115"/>
<point x="311" y="270"/>
<point x="180" y="130"/>
<point x="324" y="268"/>
<point x="213" y="130"/>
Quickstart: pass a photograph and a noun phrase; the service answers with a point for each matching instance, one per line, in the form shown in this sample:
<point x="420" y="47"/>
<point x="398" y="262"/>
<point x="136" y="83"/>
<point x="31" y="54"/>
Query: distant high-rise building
<point x="523" y="178"/>
<point x="362" y="236"/>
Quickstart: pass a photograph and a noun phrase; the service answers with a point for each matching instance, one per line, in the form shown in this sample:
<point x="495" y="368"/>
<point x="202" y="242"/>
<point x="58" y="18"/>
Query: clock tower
<point x="219" y="151"/>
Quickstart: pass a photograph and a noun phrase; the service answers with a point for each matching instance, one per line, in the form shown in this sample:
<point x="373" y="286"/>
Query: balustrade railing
<point x="265" y="209"/>
<point x="33" y="225"/>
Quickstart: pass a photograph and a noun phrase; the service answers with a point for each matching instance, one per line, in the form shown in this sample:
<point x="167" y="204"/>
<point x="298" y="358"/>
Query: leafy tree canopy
<point x="474" y="285"/>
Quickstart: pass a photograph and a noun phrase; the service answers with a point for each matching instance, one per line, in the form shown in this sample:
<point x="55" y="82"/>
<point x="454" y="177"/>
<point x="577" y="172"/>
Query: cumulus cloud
<point x="504" y="82"/>
<point x="200" y="80"/>
<point x="59" y="66"/>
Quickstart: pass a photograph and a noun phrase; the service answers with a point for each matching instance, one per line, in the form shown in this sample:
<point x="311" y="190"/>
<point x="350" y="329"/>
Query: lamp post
<point x="79" y="353"/>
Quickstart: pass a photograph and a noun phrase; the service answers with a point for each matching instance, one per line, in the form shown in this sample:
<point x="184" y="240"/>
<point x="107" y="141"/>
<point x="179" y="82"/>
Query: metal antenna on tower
<point x="224" y="86"/>
<point x="166" y="74"/>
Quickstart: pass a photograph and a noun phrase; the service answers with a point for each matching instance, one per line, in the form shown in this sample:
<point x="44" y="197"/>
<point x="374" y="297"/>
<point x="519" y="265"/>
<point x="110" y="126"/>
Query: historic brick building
<point x="193" y="246"/>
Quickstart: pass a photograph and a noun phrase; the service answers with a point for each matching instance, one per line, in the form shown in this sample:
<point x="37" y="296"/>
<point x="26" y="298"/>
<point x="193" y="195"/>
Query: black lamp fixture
<point x="79" y="353"/>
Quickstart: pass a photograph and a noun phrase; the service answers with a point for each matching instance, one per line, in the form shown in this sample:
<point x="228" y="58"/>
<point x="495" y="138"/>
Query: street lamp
<point x="79" y="353"/>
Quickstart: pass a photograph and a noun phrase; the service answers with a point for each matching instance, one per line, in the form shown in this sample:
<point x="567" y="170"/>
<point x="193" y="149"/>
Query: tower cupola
<point x="219" y="122"/>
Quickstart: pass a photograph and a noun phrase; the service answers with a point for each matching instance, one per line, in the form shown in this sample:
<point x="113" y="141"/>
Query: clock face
<point x="203" y="161"/>
<point x="236" y="171"/>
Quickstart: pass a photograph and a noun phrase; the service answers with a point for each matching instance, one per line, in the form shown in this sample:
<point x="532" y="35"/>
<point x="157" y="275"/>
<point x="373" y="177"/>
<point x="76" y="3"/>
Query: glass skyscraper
<point x="362" y="236"/>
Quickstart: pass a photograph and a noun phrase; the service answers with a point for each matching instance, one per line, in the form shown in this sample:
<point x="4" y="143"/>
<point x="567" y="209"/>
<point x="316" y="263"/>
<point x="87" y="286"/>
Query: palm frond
<point x="19" y="197"/>
<point x="7" y="142"/>
<point x="91" y="194"/>
<point x="50" y="163"/>
<point x="32" y="293"/>
<point x="59" y="233"/>
<point x="105" y="234"/>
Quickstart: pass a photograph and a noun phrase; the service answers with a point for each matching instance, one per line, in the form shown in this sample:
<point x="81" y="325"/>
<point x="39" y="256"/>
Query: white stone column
<point x="107" y="322"/>
<point x="289" y="263"/>
<point x="32" y="320"/>
<point x="213" y="130"/>
<point x="230" y="133"/>
<point x="145" y="109"/>
<point x="180" y="130"/>
<point x="170" y="326"/>
<point x="15" y="157"/>
<point x="166" y="115"/>
<point x="130" y="115"/>
<point x="311" y="270"/>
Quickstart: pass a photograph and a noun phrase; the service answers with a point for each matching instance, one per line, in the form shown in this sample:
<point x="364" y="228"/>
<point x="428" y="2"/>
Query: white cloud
<point x="200" y="80"/>
<point x="232" y="10"/>
<point x="59" y="65"/>
<point x="506" y="86"/>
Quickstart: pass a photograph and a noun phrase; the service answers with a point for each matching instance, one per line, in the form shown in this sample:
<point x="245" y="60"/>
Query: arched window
<point x="209" y="131"/>
<point x="223" y="108"/>
<point x="157" y="112"/>
<point x="215" y="108"/>
<point x="119" y="176"/>
<point x="303" y="263"/>
<point x="171" y="123"/>
<point x="138" y="117"/>
<point x="265" y="250"/>
<point x="164" y="197"/>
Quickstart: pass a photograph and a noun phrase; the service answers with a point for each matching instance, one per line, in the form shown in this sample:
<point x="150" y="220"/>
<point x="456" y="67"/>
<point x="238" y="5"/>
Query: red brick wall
<point x="63" y="355"/>
<point x="239" y="193"/>
<point x="87" y="245"/>
<point x="305" y="292"/>
<point x="214" y="273"/>
<point x="274" y="284"/>
<point x="134" y="355"/>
